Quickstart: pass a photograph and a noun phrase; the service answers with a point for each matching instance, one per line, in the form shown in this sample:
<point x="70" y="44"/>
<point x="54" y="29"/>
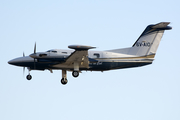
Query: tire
<point x="64" y="81"/>
<point x="75" y="73"/>
<point x="29" y="77"/>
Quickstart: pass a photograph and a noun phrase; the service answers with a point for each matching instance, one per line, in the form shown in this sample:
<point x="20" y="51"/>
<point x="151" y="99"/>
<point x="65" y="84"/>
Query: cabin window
<point x="96" y="55"/>
<point x="64" y="52"/>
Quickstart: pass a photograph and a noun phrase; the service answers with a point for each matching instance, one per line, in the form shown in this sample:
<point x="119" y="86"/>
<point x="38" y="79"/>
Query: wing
<point x="79" y="58"/>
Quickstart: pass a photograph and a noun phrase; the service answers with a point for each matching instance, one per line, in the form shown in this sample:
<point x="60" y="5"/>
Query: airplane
<point x="80" y="58"/>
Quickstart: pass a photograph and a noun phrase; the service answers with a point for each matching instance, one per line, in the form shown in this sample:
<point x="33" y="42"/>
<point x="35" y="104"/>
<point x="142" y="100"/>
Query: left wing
<point x="79" y="58"/>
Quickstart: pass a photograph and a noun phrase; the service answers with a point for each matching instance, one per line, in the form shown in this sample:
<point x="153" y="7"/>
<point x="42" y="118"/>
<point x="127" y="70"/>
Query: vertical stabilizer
<point x="149" y="40"/>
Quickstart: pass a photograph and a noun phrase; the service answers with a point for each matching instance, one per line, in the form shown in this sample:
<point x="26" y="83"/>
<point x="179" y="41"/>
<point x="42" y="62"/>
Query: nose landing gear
<point x="29" y="77"/>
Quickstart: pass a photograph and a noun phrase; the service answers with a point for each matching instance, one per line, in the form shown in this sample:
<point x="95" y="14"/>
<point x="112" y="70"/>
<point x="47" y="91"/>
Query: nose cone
<point x="21" y="61"/>
<point x="14" y="61"/>
<point x="11" y="62"/>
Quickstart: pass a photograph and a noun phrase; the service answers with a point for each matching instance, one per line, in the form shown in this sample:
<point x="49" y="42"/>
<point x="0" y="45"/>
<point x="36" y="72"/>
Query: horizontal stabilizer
<point x="161" y="25"/>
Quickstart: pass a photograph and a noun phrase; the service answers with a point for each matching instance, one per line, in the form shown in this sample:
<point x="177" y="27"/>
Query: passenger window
<point x="64" y="52"/>
<point x="96" y="55"/>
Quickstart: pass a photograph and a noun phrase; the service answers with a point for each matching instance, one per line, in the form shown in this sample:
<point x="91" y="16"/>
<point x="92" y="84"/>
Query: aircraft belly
<point x="99" y="66"/>
<point x="65" y="66"/>
<point x="107" y="65"/>
<point x="116" y="65"/>
<point x="121" y="65"/>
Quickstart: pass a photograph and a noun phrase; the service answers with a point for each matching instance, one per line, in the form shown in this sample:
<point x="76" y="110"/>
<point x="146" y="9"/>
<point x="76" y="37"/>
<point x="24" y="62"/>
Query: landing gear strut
<point x="29" y="77"/>
<point x="75" y="73"/>
<point x="64" y="77"/>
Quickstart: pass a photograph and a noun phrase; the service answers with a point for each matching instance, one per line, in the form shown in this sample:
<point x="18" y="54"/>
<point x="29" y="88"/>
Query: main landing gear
<point x="64" y="77"/>
<point x="64" y="80"/>
<point x="75" y="73"/>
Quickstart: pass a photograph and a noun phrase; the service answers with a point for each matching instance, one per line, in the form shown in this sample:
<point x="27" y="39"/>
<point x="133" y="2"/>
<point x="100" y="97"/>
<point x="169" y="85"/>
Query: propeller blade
<point x="23" y="67"/>
<point x="35" y="48"/>
<point x="34" y="53"/>
<point x="23" y="70"/>
<point x="34" y="64"/>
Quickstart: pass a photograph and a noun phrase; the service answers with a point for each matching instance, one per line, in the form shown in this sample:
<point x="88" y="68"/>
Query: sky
<point x="145" y="93"/>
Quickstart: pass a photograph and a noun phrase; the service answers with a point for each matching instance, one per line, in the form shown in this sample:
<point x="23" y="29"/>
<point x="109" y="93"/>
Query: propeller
<point x="35" y="48"/>
<point x="34" y="53"/>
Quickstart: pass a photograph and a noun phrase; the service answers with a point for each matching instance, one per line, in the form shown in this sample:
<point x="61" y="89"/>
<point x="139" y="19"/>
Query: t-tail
<point x="146" y="45"/>
<point x="148" y="42"/>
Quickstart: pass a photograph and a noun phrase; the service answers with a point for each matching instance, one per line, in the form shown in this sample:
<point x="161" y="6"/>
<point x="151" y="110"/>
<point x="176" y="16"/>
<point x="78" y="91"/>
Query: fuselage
<point x="98" y="60"/>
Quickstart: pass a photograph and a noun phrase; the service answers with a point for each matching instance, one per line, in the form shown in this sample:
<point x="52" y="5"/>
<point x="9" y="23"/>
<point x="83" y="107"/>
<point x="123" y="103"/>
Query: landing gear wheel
<point x="64" y="81"/>
<point x="29" y="77"/>
<point x="75" y="73"/>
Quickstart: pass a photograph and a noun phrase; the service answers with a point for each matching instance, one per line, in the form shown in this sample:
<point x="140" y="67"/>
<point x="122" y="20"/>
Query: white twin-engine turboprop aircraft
<point x="141" y="53"/>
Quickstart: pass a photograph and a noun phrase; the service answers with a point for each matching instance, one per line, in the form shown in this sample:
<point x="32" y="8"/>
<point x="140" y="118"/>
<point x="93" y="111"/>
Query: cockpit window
<point x="52" y="51"/>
